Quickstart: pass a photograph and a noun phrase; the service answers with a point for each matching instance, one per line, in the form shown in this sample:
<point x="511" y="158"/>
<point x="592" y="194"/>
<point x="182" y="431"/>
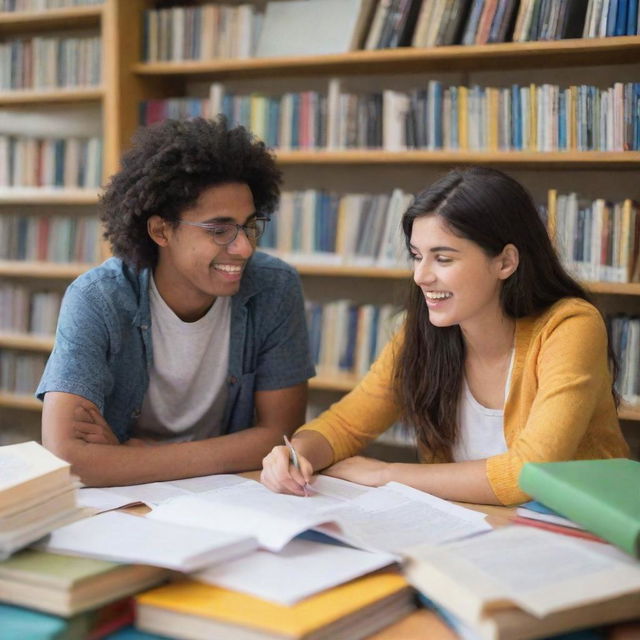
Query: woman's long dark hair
<point x="491" y="209"/>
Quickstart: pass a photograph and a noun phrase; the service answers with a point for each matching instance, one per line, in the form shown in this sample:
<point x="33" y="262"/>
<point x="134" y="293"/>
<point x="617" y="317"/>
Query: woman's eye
<point x="443" y="259"/>
<point x="415" y="258"/>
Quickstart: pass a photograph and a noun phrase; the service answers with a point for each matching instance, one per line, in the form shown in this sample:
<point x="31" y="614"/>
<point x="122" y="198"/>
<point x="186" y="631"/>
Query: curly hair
<point x="170" y="164"/>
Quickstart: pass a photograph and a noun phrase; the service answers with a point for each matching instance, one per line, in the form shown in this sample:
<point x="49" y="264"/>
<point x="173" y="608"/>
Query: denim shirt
<point x="103" y="347"/>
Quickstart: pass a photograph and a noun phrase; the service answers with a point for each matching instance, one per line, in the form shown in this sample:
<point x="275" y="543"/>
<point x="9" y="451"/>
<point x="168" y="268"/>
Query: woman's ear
<point x="157" y="229"/>
<point x="508" y="261"/>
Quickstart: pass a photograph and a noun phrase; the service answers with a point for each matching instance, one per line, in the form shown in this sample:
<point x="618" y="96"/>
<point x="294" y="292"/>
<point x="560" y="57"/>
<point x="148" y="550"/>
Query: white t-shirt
<point x="481" y="429"/>
<point x="187" y="381"/>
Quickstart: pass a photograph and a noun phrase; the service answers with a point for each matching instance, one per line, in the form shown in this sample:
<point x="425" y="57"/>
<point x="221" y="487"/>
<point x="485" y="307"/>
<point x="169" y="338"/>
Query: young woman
<point x="501" y="361"/>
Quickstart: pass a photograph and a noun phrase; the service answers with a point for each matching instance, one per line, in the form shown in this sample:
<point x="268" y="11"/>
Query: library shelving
<point x="64" y="103"/>
<point x="127" y="81"/>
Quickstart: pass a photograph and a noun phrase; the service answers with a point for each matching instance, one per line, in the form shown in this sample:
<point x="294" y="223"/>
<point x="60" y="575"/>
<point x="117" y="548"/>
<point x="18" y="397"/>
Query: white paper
<point x="121" y="537"/>
<point x="152" y="493"/>
<point x="384" y="519"/>
<point x="302" y="569"/>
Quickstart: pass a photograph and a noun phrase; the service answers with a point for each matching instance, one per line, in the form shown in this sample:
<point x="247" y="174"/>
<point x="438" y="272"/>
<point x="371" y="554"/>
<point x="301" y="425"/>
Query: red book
<point x="556" y="528"/>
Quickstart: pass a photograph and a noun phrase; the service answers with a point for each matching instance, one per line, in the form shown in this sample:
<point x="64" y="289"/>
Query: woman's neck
<point x="490" y="340"/>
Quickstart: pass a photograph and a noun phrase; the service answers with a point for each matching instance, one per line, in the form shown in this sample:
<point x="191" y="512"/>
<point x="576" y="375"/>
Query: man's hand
<point x="91" y="427"/>
<point x="367" y="471"/>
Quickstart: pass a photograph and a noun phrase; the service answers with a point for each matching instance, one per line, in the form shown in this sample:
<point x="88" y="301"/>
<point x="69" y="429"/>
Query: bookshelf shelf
<point x="26" y="341"/>
<point x="16" y="98"/>
<point x="50" y="19"/>
<point x="19" y="401"/>
<point x="629" y="412"/>
<point x="560" y="160"/>
<point x="507" y="55"/>
<point x="49" y="270"/>
<point x="48" y="196"/>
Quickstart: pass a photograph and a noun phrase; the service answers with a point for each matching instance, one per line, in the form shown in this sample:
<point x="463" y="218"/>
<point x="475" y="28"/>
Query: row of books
<point x="469" y="22"/>
<point x="320" y="227"/>
<point x="218" y="31"/>
<point x="515" y="118"/>
<point x="20" y="372"/>
<point x="346" y="337"/>
<point x="200" y="32"/>
<point x="24" y="310"/>
<point x="597" y="240"/>
<point x="50" y="62"/>
<point x="56" y="238"/>
<point x="50" y="162"/>
<point x="625" y="340"/>
<point x="41" y="5"/>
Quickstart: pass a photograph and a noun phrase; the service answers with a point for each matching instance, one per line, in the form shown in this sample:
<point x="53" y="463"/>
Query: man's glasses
<point x="224" y="233"/>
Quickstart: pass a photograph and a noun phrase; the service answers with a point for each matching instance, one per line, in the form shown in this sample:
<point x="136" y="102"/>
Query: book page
<point x="302" y="569"/>
<point x="538" y="571"/>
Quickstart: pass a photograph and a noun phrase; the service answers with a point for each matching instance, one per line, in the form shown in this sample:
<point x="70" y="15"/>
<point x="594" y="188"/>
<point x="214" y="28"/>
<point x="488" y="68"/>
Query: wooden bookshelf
<point x="29" y="97"/>
<point x="19" y="401"/>
<point x="45" y="195"/>
<point x="556" y="160"/>
<point x="508" y="55"/>
<point x="629" y="412"/>
<point x="50" y="19"/>
<point x="26" y="341"/>
<point x="47" y="270"/>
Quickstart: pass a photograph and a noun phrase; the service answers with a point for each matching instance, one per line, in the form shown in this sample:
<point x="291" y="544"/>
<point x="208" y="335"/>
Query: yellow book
<point x="493" y="100"/>
<point x="352" y="610"/>
<point x="463" y="117"/>
<point x="571" y="109"/>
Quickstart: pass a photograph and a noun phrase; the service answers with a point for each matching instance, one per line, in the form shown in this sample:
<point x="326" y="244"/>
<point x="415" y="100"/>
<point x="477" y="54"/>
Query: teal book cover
<point x="601" y="495"/>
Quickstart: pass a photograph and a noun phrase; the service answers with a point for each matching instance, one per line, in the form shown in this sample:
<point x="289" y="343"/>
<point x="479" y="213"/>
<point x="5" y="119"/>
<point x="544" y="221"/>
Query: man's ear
<point x="157" y="228"/>
<point x="508" y="261"/>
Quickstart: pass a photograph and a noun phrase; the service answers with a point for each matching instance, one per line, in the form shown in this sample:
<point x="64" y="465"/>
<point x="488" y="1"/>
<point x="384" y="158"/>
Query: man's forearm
<point x="114" y="465"/>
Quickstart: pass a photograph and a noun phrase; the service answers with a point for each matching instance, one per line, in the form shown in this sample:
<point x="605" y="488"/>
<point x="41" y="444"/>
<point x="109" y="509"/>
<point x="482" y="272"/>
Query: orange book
<point x="486" y="18"/>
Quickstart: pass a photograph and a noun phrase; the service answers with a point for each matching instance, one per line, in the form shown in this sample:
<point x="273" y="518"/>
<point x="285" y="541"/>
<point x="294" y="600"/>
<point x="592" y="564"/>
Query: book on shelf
<point x="66" y="586"/>
<point x="20" y="372"/>
<point x="520" y="582"/>
<point x="37" y="494"/>
<point x="19" y="623"/>
<point x="601" y="495"/>
<point x="625" y="341"/>
<point x="353" y="610"/>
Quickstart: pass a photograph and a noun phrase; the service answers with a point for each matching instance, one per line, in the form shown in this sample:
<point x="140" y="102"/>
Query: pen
<point x="293" y="458"/>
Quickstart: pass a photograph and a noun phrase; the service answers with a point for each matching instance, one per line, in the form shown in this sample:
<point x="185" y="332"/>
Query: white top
<point x="187" y="382"/>
<point x="481" y="429"/>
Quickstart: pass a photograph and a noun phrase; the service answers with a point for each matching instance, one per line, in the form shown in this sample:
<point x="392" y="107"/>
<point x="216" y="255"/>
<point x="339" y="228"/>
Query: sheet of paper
<point x="121" y="537"/>
<point x="539" y="571"/>
<point x="302" y="569"/>
<point x="153" y="493"/>
<point x="383" y="519"/>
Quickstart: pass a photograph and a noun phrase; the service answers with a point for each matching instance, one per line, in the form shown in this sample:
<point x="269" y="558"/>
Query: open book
<point x="519" y="582"/>
<point x="389" y="518"/>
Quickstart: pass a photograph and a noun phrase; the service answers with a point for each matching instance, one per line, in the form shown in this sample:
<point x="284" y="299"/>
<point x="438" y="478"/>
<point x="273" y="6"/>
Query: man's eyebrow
<point x="229" y="219"/>
<point x="436" y="249"/>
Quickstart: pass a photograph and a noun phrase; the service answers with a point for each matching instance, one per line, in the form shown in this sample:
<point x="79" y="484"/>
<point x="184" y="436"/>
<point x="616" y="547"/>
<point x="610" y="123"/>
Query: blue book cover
<point x="295" y="121"/>
<point x="612" y="17"/>
<point x="562" y="120"/>
<point x="131" y="633"/>
<point x="621" y="18"/>
<point x="348" y="355"/>
<point x="632" y="17"/>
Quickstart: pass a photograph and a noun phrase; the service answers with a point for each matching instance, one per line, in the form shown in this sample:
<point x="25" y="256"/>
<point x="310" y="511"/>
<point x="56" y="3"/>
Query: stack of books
<point x="37" y="495"/>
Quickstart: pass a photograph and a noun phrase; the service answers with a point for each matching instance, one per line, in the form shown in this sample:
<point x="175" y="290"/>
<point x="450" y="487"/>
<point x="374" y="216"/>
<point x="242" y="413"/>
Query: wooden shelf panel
<point x="49" y="270"/>
<point x="19" y="401"/>
<point x="629" y="412"/>
<point x="560" y="160"/>
<point x="614" y="288"/>
<point x="46" y="195"/>
<point x="50" y="19"/>
<point x="507" y="55"/>
<point x="26" y="341"/>
<point x="32" y="96"/>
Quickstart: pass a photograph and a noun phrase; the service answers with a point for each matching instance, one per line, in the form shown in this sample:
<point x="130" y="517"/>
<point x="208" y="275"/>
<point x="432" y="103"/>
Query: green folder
<point x="601" y="495"/>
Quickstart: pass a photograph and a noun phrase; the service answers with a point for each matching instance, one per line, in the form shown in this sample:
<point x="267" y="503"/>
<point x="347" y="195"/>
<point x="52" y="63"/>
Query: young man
<point x="187" y="337"/>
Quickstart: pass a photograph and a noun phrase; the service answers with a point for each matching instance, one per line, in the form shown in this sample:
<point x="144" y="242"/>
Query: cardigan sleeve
<point x="364" y="413"/>
<point x="573" y="376"/>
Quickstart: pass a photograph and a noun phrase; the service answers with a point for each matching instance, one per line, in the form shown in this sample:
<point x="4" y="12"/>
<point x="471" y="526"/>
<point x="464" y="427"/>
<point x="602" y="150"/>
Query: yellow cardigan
<point x="559" y="405"/>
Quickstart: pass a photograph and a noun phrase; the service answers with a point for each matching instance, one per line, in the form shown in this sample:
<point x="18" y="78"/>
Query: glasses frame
<point x="212" y="225"/>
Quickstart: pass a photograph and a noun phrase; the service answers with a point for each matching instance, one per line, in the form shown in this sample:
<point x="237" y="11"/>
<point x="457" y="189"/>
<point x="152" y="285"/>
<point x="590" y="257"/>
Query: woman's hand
<point x="367" y="471"/>
<point x="279" y="475"/>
